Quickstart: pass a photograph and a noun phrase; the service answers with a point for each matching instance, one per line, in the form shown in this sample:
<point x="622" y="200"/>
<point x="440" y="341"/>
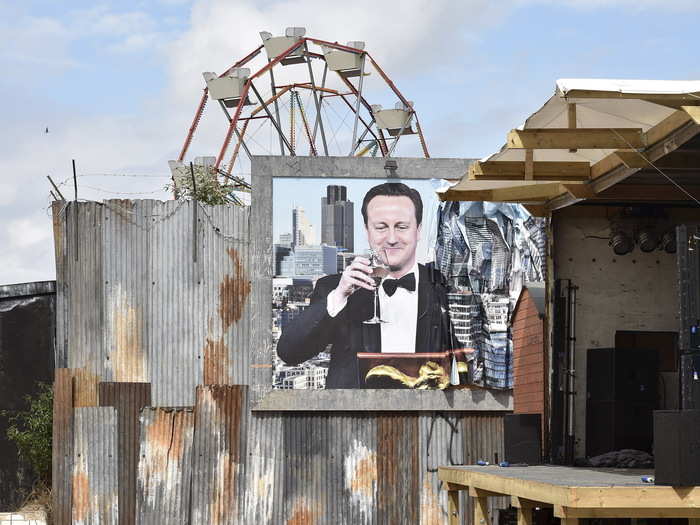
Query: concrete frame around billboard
<point x="263" y="170"/>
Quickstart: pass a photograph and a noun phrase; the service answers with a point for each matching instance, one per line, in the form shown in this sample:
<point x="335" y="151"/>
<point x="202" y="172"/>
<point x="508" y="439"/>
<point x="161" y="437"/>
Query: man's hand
<point x="356" y="275"/>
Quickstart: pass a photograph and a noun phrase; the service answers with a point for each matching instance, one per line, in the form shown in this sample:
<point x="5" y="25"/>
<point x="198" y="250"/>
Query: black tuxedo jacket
<point x="311" y="332"/>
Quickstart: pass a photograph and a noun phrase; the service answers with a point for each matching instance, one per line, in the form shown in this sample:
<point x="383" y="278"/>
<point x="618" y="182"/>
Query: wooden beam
<point x="632" y="158"/>
<point x="475" y="492"/>
<point x="626" y="512"/>
<point x="518" y="502"/>
<point x="654" y="135"/>
<point x="673" y="101"/>
<point x="481" y="511"/>
<point x="693" y="112"/>
<point x="537" y="210"/>
<point x="517" y="170"/>
<point x="580" y="191"/>
<point x="453" y="503"/>
<point x="571" y="117"/>
<point x="581" y="138"/>
<point x="529" y="164"/>
<point x="649" y="192"/>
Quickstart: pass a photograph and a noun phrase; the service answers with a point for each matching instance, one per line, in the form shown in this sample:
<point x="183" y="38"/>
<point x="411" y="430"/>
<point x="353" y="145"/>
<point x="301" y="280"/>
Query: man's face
<point x="392" y="229"/>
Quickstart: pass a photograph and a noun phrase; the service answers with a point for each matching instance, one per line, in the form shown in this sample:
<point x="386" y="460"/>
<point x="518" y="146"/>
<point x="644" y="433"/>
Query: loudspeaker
<point x="616" y="425"/>
<point x="677" y="447"/>
<point x="523" y="438"/>
<point x="615" y="374"/>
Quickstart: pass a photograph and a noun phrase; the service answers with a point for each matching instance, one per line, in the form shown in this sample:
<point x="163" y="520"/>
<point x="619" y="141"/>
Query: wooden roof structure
<point x="603" y="140"/>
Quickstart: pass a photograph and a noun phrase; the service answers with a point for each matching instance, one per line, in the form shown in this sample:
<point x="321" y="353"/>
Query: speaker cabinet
<point x="522" y="438"/>
<point x="677" y="447"/>
<point x="621" y="397"/>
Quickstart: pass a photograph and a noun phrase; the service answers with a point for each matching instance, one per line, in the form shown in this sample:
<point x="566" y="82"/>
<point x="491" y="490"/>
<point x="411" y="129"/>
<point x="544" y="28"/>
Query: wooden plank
<point x="529" y="164"/>
<point x="693" y="112"/>
<point x="518" y="170"/>
<point x="537" y="210"/>
<point x="661" y="131"/>
<point x="571" y="117"/>
<point x="481" y="511"/>
<point x="475" y="492"/>
<point x="667" y="126"/>
<point x="647" y="192"/>
<point x="670" y="100"/>
<point x="453" y="503"/>
<point x="528" y="489"/>
<point x="632" y="158"/>
<point x="626" y="512"/>
<point x="580" y="138"/>
<point x="525" y="515"/>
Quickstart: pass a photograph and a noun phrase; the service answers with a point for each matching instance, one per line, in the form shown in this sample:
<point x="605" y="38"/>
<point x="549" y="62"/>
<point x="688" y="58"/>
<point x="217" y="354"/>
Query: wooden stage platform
<point x="572" y="492"/>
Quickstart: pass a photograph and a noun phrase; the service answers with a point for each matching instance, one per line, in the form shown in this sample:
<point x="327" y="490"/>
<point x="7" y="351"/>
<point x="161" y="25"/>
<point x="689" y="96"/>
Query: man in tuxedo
<point x="412" y="298"/>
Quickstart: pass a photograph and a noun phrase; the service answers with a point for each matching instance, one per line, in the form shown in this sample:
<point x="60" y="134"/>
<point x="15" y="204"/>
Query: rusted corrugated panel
<point x="306" y="468"/>
<point x="127" y="288"/>
<point x="224" y="252"/>
<point x="152" y="291"/>
<point x="219" y="454"/>
<point x="79" y="342"/>
<point x="62" y="453"/>
<point x="441" y="443"/>
<point x="165" y="466"/>
<point x="398" y="494"/>
<point x="128" y="399"/>
<point x="312" y="468"/>
<point x="483" y="440"/>
<point x="180" y="307"/>
<point x="95" y="499"/>
<point x="264" y="499"/>
<point x="352" y="468"/>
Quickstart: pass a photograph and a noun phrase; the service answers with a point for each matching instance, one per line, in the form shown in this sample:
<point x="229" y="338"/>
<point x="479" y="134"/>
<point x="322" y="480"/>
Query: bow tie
<point x="408" y="281"/>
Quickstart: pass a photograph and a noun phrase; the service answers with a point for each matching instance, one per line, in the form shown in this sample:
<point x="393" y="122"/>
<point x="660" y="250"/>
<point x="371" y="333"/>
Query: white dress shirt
<point x="398" y="334"/>
<point x="400" y="311"/>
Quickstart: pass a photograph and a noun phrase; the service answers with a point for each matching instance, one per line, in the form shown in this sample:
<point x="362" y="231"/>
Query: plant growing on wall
<point x="31" y="431"/>
<point x="202" y="183"/>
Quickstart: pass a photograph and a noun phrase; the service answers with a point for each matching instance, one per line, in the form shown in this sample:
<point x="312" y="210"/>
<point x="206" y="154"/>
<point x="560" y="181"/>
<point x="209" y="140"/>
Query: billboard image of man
<point x="412" y="298"/>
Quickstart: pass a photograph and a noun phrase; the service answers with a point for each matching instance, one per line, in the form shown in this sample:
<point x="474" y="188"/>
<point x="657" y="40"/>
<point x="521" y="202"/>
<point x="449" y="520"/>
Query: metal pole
<point x="75" y="212"/>
<point x="393" y="146"/>
<point x="238" y="133"/>
<point x="320" y="101"/>
<point x="318" y="104"/>
<point x="194" y="213"/>
<point x="75" y="181"/>
<point x="357" y="106"/>
<point x="571" y="373"/>
<point x="277" y="108"/>
<point x="55" y="187"/>
<point x="274" y="122"/>
<point x="359" y="141"/>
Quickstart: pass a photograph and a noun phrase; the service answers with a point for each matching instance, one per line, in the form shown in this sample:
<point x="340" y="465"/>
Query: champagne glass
<point x="380" y="269"/>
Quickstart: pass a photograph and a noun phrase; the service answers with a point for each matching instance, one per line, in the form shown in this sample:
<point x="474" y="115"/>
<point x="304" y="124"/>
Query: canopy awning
<point x="590" y="135"/>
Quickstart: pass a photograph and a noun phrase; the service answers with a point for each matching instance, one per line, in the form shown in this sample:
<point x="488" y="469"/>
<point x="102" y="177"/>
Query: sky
<point x="117" y="83"/>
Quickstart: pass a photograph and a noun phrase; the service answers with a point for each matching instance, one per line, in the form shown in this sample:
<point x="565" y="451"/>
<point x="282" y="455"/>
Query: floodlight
<point x="621" y="243"/>
<point x="647" y="239"/>
<point x="668" y="242"/>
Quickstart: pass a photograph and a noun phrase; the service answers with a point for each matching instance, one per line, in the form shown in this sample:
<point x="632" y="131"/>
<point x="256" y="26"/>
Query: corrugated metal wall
<point x="154" y="312"/>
